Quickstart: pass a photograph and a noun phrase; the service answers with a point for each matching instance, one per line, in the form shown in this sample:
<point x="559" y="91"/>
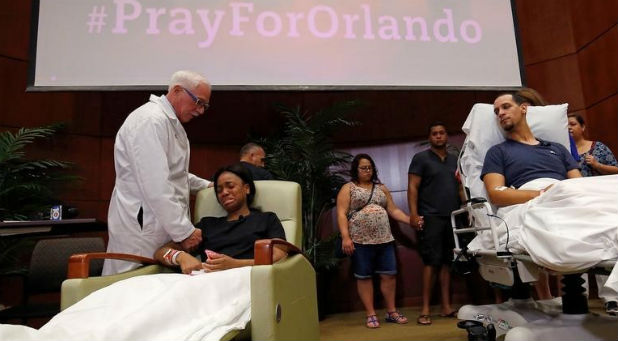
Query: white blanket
<point x="152" y="307"/>
<point x="571" y="227"/>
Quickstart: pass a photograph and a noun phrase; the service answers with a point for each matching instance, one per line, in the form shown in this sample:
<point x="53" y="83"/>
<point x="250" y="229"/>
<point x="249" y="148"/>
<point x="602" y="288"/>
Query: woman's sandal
<point x="395" y="317"/>
<point x="424" y="320"/>
<point x="372" y="322"/>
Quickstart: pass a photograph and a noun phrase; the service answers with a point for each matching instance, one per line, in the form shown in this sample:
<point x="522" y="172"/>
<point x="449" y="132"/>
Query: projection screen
<point x="275" y="44"/>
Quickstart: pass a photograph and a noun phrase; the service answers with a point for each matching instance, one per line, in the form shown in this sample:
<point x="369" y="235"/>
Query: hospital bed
<point x="521" y="317"/>
<point x="283" y="295"/>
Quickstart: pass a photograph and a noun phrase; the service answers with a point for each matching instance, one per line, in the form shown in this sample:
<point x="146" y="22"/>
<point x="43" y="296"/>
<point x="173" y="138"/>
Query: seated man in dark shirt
<point x="252" y="157"/>
<point x="228" y="241"/>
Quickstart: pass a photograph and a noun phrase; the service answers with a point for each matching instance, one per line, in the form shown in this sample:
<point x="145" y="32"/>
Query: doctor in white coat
<point x="150" y="202"/>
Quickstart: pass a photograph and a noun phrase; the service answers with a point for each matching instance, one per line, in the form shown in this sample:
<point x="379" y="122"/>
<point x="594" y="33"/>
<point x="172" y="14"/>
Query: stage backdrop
<point x="275" y="44"/>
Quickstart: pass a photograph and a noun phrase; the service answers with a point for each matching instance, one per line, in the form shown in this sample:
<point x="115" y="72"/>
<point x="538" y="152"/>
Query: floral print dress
<point x="600" y="152"/>
<point x="370" y="224"/>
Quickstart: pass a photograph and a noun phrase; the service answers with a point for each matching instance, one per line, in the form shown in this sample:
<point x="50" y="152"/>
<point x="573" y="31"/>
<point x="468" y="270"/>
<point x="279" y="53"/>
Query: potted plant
<point x="302" y="151"/>
<point x="27" y="187"/>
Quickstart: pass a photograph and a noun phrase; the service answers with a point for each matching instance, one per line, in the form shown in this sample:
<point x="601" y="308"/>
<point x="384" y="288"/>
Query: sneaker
<point x="611" y="308"/>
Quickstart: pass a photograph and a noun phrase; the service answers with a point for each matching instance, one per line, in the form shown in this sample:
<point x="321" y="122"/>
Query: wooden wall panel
<point x="582" y="70"/>
<point x="558" y="80"/>
<point x="79" y="110"/>
<point x="14" y="41"/>
<point x="598" y="63"/>
<point x="207" y="159"/>
<point x="19" y="108"/>
<point x="116" y="106"/>
<point x="545" y="29"/>
<point x="102" y="209"/>
<point x="602" y="122"/>
<point x="106" y="164"/>
<point x="591" y="19"/>
<point x="404" y="115"/>
<point x="236" y="114"/>
<point x="86" y="208"/>
<point x="84" y="152"/>
<point x="386" y="116"/>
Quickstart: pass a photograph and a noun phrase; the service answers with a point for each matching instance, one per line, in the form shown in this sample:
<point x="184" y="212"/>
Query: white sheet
<point x="571" y="227"/>
<point x="152" y="307"/>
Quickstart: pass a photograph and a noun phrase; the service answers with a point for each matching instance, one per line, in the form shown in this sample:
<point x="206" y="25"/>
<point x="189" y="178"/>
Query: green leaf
<point x="302" y="151"/>
<point x="29" y="186"/>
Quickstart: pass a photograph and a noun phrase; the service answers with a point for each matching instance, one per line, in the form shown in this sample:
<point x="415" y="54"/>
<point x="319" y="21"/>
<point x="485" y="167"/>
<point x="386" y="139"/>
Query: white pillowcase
<point x="548" y="123"/>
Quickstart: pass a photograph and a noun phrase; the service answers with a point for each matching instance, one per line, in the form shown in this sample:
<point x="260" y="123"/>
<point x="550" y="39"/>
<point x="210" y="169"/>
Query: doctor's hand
<point x="188" y="263"/>
<point x="191" y="243"/>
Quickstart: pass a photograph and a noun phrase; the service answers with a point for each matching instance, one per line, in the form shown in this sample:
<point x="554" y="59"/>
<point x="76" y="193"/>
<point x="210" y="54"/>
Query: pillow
<point x="548" y="123"/>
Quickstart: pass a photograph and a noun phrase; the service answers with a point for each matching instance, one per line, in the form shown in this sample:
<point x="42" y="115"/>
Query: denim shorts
<point x="368" y="259"/>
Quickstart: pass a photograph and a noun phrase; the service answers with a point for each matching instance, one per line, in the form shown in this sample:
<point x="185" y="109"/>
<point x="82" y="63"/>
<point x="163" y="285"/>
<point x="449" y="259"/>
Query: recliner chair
<point x="283" y="295"/>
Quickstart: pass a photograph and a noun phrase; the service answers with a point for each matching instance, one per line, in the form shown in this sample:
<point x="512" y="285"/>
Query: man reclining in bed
<point x="177" y="306"/>
<point x="563" y="221"/>
<point x="522" y="157"/>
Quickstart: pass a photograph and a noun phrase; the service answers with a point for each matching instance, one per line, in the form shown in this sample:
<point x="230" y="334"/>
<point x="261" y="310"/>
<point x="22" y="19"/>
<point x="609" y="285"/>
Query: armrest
<point x="79" y="264"/>
<point x="263" y="250"/>
<point x="476" y="200"/>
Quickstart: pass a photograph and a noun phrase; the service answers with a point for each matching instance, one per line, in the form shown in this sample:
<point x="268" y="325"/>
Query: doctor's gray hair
<point x="187" y="79"/>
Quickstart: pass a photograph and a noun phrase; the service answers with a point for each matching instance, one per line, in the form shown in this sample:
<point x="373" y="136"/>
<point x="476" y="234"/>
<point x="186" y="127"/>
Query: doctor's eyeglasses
<point x="197" y="101"/>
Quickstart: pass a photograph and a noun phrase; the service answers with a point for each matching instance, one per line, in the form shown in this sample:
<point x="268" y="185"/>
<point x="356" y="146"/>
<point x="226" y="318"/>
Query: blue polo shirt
<point x="521" y="163"/>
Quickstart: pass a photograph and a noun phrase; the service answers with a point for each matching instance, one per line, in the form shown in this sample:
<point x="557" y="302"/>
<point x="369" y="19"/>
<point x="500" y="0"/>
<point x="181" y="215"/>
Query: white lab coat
<point x="151" y="157"/>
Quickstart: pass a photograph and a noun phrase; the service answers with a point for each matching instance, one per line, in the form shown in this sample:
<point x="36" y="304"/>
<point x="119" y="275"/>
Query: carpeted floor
<point x="351" y="326"/>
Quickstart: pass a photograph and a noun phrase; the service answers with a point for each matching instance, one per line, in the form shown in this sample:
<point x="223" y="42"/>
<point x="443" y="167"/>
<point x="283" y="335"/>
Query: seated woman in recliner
<point x="228" y="242"/>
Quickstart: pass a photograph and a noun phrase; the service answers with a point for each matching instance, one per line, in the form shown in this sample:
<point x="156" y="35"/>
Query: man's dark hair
<point x="579" y="118"/>
<point x="247" y="148"/>
<point x="354" y="168"/>
<point x="239" y="170"/>
<point x="435" y="124"/>
<point x="516" y="97"/>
